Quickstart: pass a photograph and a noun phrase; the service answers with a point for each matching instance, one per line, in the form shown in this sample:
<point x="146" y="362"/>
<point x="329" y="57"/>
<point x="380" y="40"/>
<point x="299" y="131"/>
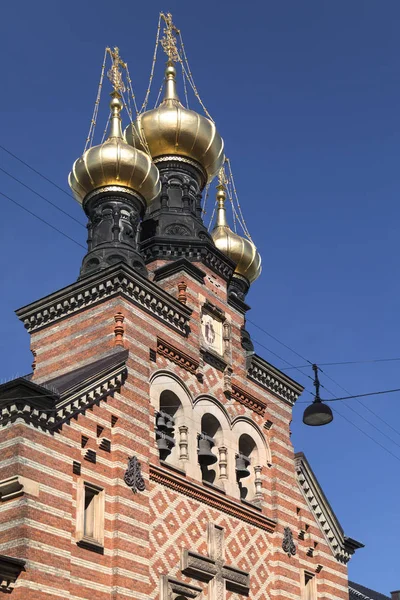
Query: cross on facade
<point x="212" y="568"/>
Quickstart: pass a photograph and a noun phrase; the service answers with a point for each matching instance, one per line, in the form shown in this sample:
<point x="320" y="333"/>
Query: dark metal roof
<point x="360" y="592"/>
<point x="77" y="377"/>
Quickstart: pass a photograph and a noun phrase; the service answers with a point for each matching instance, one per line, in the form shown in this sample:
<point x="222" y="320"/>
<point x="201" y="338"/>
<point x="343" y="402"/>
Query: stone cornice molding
<point x="270" y="378"/>
<point x="79" y="401"/>
<point x="341" y="546"/>
<point x="256" y="405"/>
<point x="10" y="569"/>
<point x="211" y="498"/>
<point x="66" y="406"/>
<point x="177" y="266"/>
<point x="117" y="280"/>
<point x="177" y="356"/>
<point x="172" y="588"/>
<point x="15" y="486"/>
<point x="198" y="251"/>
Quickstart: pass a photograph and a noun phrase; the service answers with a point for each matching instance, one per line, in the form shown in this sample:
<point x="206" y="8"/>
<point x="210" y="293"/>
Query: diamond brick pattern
<point x="179" y="522"/>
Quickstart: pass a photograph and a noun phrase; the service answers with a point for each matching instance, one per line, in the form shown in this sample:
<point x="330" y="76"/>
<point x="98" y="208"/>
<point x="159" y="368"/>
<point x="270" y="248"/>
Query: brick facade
<point x="145" y="532"/>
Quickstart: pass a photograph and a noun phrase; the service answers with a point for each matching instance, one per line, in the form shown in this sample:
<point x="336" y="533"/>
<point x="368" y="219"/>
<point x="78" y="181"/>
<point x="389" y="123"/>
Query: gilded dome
<point x="239" y="249"/>
<point x="115" y="163"/>
<point x="173" y="130"/>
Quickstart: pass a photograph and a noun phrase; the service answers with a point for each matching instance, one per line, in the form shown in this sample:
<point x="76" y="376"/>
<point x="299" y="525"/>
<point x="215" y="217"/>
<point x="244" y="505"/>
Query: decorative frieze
<point x="118" y="280"/>
<point x="270" y="378"/>
<point x="177" y="356"/>
<point x="256" y="405"/>
<point x="342" y="546"/>
<point x="211" y="498"/>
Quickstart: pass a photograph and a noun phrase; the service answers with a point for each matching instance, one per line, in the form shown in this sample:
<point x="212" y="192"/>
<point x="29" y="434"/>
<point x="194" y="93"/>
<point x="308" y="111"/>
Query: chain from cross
<point x="212" y="568"/>
<point x="114" y="74"/>
<point x="168" y="42"/>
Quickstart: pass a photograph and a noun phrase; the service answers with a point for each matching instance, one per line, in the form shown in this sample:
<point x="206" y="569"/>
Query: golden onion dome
<point x="115" y="163"/>
<point x="173" y="130"/>
<point x="239" y="249"/>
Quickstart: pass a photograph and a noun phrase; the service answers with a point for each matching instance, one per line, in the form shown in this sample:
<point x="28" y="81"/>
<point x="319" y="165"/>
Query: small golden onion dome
<point x="173" y="130"/>
<point x="115" y="163"/>
<point x="239" y="249"/>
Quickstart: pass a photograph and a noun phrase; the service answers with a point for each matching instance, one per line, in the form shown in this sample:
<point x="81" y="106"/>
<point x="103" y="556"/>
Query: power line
<point x="40" y="219"/>
<point x="347" y="362"/>
<point x="284" y="360"/>
<point x="364" y="405"/>
<point x="367" y="435"/>
<point x="37" y="172"/>
<point x="291" y="366"/>
<point x="344" y="398"/>
<point x="282" y="344"/>
<point x="42" y="197"/>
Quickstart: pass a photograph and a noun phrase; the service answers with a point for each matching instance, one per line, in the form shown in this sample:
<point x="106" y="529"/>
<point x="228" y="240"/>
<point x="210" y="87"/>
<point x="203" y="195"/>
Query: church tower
<point x="148" y="454"/>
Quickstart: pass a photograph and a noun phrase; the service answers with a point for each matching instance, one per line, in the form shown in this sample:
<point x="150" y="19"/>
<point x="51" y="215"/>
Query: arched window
<point x="246" y="460"/>
<point x="173" y="409"/>
<point x="210" y="436"/>
<point x="168" y="421"/>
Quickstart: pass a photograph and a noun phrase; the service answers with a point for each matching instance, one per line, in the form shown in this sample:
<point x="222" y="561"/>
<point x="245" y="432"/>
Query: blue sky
<point x="306" y="95"/>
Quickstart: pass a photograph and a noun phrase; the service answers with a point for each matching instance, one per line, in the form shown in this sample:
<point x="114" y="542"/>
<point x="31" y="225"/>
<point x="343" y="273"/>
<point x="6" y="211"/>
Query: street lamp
<point x="317" y="413"/>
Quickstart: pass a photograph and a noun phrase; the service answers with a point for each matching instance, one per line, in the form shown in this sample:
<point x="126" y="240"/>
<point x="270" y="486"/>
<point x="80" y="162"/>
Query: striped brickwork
<point x="146" y="531"/>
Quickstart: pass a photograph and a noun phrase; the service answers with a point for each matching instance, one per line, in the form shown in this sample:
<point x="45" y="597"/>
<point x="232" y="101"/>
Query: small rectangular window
<point x="90" y="515"/>
<point x="309" y="589"/>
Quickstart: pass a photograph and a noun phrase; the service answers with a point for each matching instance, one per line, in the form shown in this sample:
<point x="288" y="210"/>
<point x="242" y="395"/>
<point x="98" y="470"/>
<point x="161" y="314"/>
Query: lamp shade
<point x="317" y="414"/>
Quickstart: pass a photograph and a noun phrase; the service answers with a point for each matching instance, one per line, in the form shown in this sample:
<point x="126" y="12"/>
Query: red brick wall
<point x="144" y="532"/>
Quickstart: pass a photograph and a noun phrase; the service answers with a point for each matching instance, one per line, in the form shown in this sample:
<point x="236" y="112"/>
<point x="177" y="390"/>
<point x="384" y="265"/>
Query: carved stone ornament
<point x="288" y="544"/>
<point x="133" y="476"/>
<point x="213" y="569"/>
<point x="171" y="589"/>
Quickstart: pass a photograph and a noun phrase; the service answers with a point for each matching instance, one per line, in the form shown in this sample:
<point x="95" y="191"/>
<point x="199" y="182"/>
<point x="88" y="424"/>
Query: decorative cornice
<point x="213" y="359"/>
<point x="342" y="547"/>
<point x="211" y="498"/>
<point x="194" y="250"/>
<point x="117" y="280"/>
<point x="177" y="356"/>
<point x="239" y="305"/>
<point x="10" y="569"/>
<point x="270" y="378"/>
<point x="176" y="266"/>
<point x="218" y="313"/>
<point x="248" y="400"/>
<point x="60" y="409"/>
<point x="173" y="588"/>
<point x="113" y="189"/>
<point x="172" y="158"/>
<point x="17" y="486"/>
<point x="79" y="401"/>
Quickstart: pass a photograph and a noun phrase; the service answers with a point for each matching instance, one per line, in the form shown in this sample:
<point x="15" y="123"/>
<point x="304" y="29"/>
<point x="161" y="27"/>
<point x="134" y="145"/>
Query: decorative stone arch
<point x="207" y="408"/>
<point x="247" y="425"/>
<point x="170" y="394"/>
<point x="250" y="440"/>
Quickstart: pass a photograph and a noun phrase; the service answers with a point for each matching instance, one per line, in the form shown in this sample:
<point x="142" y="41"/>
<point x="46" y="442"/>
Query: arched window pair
<point x="199" y="438"/>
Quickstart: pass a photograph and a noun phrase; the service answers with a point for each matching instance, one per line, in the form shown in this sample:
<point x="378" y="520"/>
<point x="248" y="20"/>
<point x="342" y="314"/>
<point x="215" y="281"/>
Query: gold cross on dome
<point x="114" y="74"/>
<point x="168" y="42"/>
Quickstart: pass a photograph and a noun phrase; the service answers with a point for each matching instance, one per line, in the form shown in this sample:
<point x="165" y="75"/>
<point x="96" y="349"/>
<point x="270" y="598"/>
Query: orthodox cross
<point x="114" y="74"/>
<point x="212" y="568"/>
<point x="168" y="42"/>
